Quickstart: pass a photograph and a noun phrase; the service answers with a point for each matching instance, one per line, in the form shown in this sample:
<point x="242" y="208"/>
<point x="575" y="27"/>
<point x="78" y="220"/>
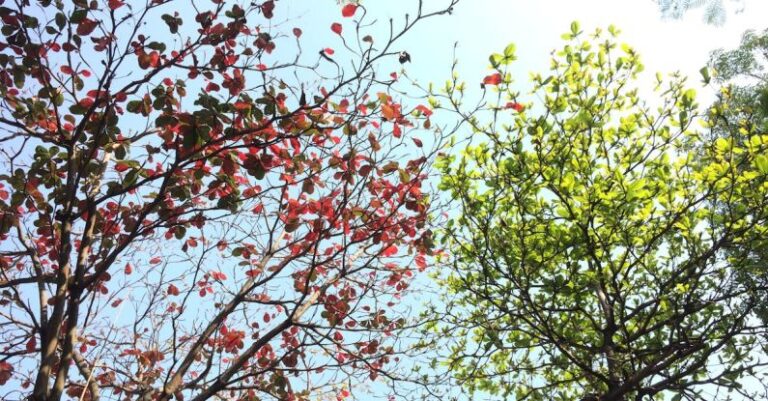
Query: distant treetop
<point x="715" y="11"/>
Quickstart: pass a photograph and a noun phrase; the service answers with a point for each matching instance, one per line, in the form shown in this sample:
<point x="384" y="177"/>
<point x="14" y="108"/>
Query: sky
<point x="485" y="26"/>
<point x="481" y="27"/>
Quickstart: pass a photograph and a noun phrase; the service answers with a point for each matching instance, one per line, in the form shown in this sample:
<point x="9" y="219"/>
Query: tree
<point x="741" y="75"/>
<point x="741" y="108"/>
<point x="593" y="244"/>
<point x="715" y="11"/>
<point x="193" y="208"/>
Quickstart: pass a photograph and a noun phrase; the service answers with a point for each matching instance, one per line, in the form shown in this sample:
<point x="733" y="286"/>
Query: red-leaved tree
<point x="195" y="204"/>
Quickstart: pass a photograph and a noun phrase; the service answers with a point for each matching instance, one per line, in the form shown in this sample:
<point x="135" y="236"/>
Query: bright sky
<point x="485" y="26"/>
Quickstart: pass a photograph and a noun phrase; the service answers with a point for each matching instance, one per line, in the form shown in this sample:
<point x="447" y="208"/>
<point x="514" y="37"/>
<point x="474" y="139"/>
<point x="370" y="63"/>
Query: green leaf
<point x="134" y="106"/>
<point x="172" y="22"/>
<point x="78" y="16"/>
<point x="496" y="60"/>
<point x="509" y="51"/>
<point x="761" y="162"/>
<point x="60" y="20"/>
<point x="575" y="28"/>
<point x="157" y="46"/>
<point x="191" y="139"/>
<point x="704" y="71"/>
<point x="722" y="145"/>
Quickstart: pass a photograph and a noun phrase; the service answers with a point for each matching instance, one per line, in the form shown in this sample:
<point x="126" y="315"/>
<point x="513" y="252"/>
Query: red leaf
<point x="297" y="32"/>
<point x="6" y="369"/>
<point x="128" y="268"/>
<point x="86" y="102"/>
<point x="268" y="9"/>
<point x="95" y="93"/>
<point x="516" y="106"/>
<point x="328" y="51"/>
<point x="32" y="344"/>
<point x="67" y="70"/>
<point x="120" y="167"/>
<point x="424" y="110"/>
<point x="396" y="131"/>
<point x="421" y="262"/>
<point x="493" y="79"/>
<point x="154" y="59"/>
<point x="349" y="10"/>
<point x="417" y="142"/>
<point x="86" y="27"/>
<point x="242" y="106"/>
<point x="173" y="290"/>
<point x="336" y="28"/>
<point x="115" y="4"/>
<point x="389" y="251"/>
<point x="155" y="260"/>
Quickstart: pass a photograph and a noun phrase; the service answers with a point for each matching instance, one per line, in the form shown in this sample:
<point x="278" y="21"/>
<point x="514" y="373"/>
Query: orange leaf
<point x="388" y="112"/>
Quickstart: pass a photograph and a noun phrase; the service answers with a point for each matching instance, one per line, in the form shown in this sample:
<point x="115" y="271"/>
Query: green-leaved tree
<point x="593" y="247"/>
<point x="714" y="11"/>
<point x="741" y="109"/>
<point x="742" y="75"/>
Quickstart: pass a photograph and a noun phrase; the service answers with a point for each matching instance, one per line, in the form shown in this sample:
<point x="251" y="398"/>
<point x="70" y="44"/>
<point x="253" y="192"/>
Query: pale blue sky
<point x="484" y="26"/>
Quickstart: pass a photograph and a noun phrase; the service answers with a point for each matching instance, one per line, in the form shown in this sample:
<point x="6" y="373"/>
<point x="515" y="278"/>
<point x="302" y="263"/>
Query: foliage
<point x="183" y="217"/>
<point x="594" y="240"/>
<point x="741" y="73"/>
<point x="715" y="11"/>
<point x="741" y="108"/>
